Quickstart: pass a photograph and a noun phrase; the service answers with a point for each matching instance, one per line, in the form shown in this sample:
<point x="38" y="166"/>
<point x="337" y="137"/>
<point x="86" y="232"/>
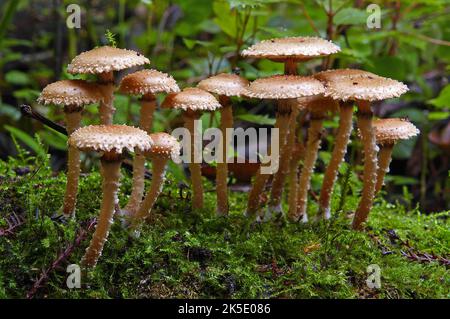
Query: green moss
<point x="196" y="254"/>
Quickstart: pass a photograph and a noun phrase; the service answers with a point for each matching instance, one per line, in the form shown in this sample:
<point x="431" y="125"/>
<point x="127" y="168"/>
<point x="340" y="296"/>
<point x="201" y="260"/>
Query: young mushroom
<point x="193" y="101"/>
<point x="290" y="51"/>
<point x="111" y="141"/>
<point x="103" y="61"/>
<point x="73" y="95"/>
<point x="164" y="147"/>
<point x="388" y="132"/>
<point x="364" y="90"/>
<point x="318" y="107"/>
<point x="225" y="85"/>
<point x="146" y="83"/>
<point x="279" y="87"/>
<point x="342" y="135"/>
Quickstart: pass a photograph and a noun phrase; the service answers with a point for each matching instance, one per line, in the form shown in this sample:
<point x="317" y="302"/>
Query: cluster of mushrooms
<point x="314" y="97"/>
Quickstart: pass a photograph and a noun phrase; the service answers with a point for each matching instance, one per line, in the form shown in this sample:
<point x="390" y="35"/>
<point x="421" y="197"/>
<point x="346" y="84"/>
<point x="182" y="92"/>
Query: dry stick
<point x="312" y="147"/>
<point x="27" y="111"/>
<point x="158" y="173"/>
<point x="340" y="148"/>
<point x="73" y="120"/>
<point x="195" y="168"/>
<point x="148" y="106"/>
<point x="226" y="121"/>
<point x="367" y="133"/>
<point x="384" y="159"/>
<point x="282" y="124"/>
<point x="106" y="109"/>
<point x="110" y="170"/>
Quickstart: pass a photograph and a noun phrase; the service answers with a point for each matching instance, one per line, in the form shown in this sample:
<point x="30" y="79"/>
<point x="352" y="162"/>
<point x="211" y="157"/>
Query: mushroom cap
<point x="337" y="74"/>
<point x="225" y="84"/>
<point x="70" y="92"/>
<point x="105" y="59"/>
<point x="319" y="103"/>
<point x="148" y="81"/>
<point x="364" y="88"/>
<point x="191" y="99"/>
<point x="164" y="145"/>
<point x="393" y="129"/>
<point x="284" y="87"/>
<point x="110" y="138"/>
<point x="291" y="48"/>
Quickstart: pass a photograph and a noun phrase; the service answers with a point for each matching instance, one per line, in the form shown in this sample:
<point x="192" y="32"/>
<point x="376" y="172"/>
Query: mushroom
<point x="103" y="61"/>
<point x="146" y="83"/>
<point x="298" y="152"/>
<point x="342" y="135"/>
<point x="388" y="132"/>
<point x="318" y="106"/>
<point x="164" y="147"/>
<point x="111" y="141"/>
<point x="193" y="101"/>
<point x="73" y="95"/>
<point x="364" y="90"/>
<point x="225" y="85"/>
<point x="290" y="51"/>
<point x="278" y="87"/>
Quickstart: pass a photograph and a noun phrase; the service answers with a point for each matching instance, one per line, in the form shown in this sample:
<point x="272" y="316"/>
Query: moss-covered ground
<point x="187" y="254"/>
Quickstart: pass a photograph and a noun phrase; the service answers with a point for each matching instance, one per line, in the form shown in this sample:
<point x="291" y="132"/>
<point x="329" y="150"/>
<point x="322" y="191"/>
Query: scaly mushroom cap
<point x="284" y="87"/>
<point x="70" y="92"/>
<point x="319" y="103"/>
<point x="225" y="84"/>
<point x="191" y="99"/>
<point x="364" y="88"/>
<point x="148" y="81"/>
<point x="388" y="131"/>
<point x="105" y="59"/>
<point x="110" y="138"/>
<point x="337" y="74"/>
<point x="164" y="145"/>
<point x="292" y="48"/>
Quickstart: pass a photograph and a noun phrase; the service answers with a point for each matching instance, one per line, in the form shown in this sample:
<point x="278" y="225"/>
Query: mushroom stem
<point x="195" y="168"/>
<point x="158" y="177"/>
<point x="384" y="159"/>
<point x="73" y="120"/>
<point x="293" y="179"/>
<point x="281" y="123"/>
<point x="148" y="106"/>
<point x="110" y="170"/>
<point x="340" y="148"/>
<point x="226" y="121"/>
<point x="312" y="148"/>
<point x="364" y="117"/>
<point x="106" y="108"/>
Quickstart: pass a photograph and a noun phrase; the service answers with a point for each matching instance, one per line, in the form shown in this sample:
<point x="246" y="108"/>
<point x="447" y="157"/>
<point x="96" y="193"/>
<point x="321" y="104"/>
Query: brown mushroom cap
<point x="70" y="92"/>
<point x="105" y="59"/>
<point x="393" y="129"/>
<point x="148" y="81"/>
<point x="292" y="48"/>
<point x="284" y="87"/>
<point x="110" y="138"/>
<point x="364" y="88"/>
<point x="192" y="99"/>
<point x="337" y="74"/>
<point x="164" y="145"/>
<point x="225" y="84"/>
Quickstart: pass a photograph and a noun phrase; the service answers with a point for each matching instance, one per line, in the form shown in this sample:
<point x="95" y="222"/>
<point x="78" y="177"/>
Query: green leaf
<point x="10" y="111"/>
<point x="351" y="16"/>
<point x="443" y="99"/>
<point x="27" y="140"/>
<point x="257" y="119"/>
<point x="17" y="78"/>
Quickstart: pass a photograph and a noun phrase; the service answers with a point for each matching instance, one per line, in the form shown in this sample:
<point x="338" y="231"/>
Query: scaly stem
<point x="222" y="166"/>
<point x="312" y="148"/>
<point x="73" y="120"/>
<point x="195" y="168"/>
<point x="340" y="148"/>
<point x="106" y="108"/>
<point x="110" y="170"/>
<point x="158" y="176"/>
<point x="148" y="106"/>
<point x="367" y="133"/>
<point x="384" y="159"/>
<point x="281" y="123"/>
<point x="293" y="179"/>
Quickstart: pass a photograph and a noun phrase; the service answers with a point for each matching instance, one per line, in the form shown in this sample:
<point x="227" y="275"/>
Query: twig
<point x="14" y="221"/>
<point x="27" y="111"/>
